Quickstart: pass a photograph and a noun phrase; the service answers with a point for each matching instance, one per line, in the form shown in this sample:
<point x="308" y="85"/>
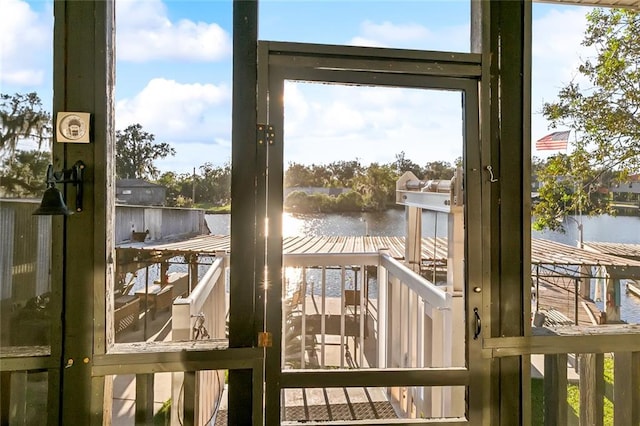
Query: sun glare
<point x="291" y="225"/>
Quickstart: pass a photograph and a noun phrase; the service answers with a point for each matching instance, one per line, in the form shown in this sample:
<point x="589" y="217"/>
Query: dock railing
<point x="407" y="323"/>
<point x="415" y="323"/>
<point x="602" y="389"/>
<point x="203" y="392"/>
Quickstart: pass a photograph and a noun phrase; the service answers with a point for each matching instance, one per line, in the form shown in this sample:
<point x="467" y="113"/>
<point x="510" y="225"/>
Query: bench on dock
<point x="126" y="314"/>
<point x="554" y="317"/>
<point x="157" y="298"/>
<point x="179" y="281"/>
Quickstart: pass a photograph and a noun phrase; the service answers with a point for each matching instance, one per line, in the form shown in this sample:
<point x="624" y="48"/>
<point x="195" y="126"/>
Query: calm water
<point x="619" y="229"/>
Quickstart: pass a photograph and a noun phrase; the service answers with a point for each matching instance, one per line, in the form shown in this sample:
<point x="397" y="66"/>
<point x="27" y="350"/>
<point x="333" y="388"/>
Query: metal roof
<point x="542" y="251"/>
<point x="629" y="4"/>
<point x="630" y="251"/>
<point x="553" y="253"/>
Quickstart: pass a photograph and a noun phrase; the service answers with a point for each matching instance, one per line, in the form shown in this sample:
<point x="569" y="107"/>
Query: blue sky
<point x="173" y="74"/>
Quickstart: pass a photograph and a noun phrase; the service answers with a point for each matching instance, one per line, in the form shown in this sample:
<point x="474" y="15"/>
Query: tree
<point x="22" y="118"/>
<point x="23" y="175"/>
<point x="136" y="152"/>
<point x="343" y="172"/>
<point x="403" y="164"/>
<point x="321" y="176"/>
<point x="174" y="184"/>
<point x="604" y="115"/>
<point x="438" y="170"/>
<point x="298" y="175"/>
<point x="377" y="186"/>
<point x="214" y="185"/>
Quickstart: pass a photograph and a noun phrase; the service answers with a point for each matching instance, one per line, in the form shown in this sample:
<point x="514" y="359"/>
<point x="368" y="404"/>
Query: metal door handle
<point x="478" y="330"/>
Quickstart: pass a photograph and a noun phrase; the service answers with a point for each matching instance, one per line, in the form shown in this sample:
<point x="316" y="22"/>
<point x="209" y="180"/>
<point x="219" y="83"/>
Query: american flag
<point x="555" y="140"/>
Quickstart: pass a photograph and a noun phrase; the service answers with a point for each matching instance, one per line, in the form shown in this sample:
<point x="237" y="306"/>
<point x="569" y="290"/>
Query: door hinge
<point x="265" y="339"/>
<point x="265" y="134"/>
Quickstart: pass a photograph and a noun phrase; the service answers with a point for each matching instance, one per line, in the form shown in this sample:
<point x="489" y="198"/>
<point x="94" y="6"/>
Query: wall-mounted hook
<point x="491" y="177"/>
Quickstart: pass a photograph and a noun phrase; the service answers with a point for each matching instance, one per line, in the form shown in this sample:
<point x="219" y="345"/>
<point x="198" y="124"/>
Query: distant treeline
<point x="370" y="188"/>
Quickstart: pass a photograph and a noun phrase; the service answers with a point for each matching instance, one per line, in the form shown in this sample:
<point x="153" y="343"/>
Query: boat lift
<point x="442" y="196"/>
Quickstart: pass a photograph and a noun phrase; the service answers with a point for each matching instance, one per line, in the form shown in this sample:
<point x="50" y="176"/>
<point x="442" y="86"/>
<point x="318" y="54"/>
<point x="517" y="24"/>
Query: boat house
<point x="140" y="192"/>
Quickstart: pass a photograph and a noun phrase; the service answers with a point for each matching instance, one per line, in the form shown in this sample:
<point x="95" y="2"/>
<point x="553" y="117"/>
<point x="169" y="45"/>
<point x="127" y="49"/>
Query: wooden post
<point x="193" y="272"/>
<point x="221" y="298"/>
<point x="585" y="282"/>
<point x="555" y="390"/>
<point x="5" y="391"/>
<point x="413" y="238"/>
<point x="383" y="311"/>
<point x="501" y="32"/>
<point x="189" y="398"/>
<point x="245" y="269"/>
<point x="81" y="278"/>
<point x="19" y="402"/>
<point x="575" y="301"/>
<point x="626" y="388"/>
<point x="164" y="267"/>
<point x="612" y="299"/>
<point x="591" y="389"/>
<point x="144" y="399"/>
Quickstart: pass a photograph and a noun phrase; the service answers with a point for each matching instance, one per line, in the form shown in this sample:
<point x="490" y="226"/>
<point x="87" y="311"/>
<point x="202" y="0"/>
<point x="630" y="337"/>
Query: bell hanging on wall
<point x="52" y="203"/>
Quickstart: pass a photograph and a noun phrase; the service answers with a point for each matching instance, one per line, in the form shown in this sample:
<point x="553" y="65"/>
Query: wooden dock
<point x="558" y="303"/>
<point x="334" y="332"/>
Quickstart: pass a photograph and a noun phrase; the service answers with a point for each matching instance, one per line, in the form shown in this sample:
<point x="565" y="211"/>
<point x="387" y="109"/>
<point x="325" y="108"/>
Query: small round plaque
<point x="73" y="127"/>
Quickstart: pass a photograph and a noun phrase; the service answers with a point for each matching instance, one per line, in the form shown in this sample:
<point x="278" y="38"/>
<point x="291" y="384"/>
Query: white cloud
<point x="195" y="154"/>
<point x="145" y="33"/>
<point x="366" y="42"/>
<point x="25" y="43"/>
<point x="371" y="124"/>
<point x="394" y="32"/>
<point x="338" y="117"/>
<point x="412" y="36"/>
<point x="178" y="111"/>
<point x="22" y="77"/>
<point x="559" y="32"/>
<point x="556" y="54"/>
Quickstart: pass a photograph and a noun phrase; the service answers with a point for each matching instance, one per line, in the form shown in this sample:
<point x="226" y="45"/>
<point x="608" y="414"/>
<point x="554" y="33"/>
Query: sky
<point x="173" y="74"/>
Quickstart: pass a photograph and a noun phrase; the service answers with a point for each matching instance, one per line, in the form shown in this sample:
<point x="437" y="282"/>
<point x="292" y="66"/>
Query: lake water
<point x="618" y="229"/>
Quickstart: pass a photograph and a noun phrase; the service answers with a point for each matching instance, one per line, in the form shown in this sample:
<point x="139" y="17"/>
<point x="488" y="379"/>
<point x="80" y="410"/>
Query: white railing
<point x="335" y="316"/>
<point x="408" y="322"/>
<point x="416" y="324"/>
<point x="201" y="315"/>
